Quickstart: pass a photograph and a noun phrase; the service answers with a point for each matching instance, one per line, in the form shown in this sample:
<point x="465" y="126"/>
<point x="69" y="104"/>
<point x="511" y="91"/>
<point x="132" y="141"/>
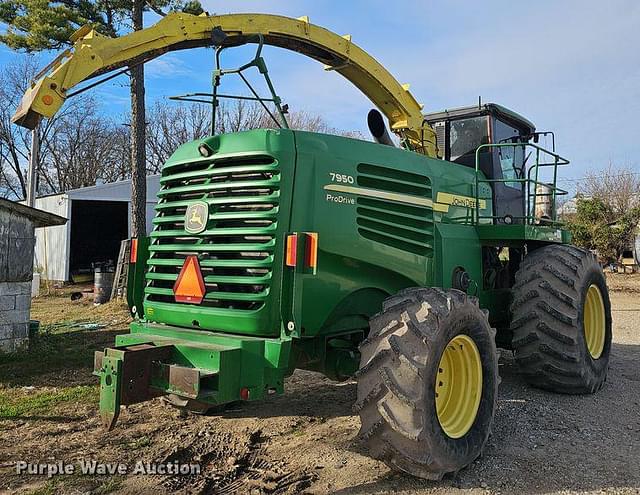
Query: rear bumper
<point x="226" y="320"/>
<point x="213" y="368"/>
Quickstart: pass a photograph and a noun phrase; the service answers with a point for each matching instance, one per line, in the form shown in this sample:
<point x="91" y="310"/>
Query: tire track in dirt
<point x="231" y="462"/>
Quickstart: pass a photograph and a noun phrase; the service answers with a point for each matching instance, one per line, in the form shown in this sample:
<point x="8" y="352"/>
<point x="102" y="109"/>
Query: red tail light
<point x="133" y="256"/>
<point x="311" y="251"/>
<point x="292" y="250"/>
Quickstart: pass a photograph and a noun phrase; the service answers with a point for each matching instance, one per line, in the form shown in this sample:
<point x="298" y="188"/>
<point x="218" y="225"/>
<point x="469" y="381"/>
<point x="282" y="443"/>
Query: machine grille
<point x="237" y="248"/>
<point x="402" y="225"/>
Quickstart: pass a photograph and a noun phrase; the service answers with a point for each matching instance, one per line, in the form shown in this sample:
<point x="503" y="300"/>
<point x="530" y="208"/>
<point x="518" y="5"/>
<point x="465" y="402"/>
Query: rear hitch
<point x="126" y="377"/>
<point x="137" y="373"/>
<point x="208" y="368"/>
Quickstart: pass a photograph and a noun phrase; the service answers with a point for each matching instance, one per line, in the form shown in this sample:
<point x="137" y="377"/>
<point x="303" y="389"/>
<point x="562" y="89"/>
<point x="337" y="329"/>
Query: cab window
<point x="466" y="135"/>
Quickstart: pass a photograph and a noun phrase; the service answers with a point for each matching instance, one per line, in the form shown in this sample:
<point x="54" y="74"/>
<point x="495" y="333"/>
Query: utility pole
<point x="32" y="174"/>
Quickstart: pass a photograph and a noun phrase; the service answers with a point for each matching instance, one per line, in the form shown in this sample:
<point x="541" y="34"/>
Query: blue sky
<point x="569" y="66"/>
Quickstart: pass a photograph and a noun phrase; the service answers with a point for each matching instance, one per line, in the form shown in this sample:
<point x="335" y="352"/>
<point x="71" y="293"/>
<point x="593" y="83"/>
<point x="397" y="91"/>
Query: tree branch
<point x="155" y="9"/>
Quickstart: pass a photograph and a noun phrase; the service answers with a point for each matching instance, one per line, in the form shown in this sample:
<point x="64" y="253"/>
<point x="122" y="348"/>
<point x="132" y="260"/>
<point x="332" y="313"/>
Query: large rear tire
<point x="427" y="384"/>
<point x="561" y="320"/>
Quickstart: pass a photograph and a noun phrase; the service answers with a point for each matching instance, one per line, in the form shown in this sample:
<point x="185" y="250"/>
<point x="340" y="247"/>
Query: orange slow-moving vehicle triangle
<point x="190" y="287"/>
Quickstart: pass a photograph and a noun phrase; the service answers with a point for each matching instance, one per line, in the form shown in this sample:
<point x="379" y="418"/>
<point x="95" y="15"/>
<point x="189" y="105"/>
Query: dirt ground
<point x="305" y="440"/>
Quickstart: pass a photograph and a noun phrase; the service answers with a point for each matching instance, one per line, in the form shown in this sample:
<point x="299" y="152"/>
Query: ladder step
<point x="122" y="270"/>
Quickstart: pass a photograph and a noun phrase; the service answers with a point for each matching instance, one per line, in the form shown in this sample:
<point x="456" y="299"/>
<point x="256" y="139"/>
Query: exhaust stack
<point x="378" y="128"/>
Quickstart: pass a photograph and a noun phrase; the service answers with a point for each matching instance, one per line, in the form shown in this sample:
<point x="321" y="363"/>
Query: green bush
<point x="596" y="226"/>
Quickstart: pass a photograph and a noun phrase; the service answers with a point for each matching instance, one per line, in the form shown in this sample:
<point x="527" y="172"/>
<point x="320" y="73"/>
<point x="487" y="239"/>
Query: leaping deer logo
<point x="196" y="218"/>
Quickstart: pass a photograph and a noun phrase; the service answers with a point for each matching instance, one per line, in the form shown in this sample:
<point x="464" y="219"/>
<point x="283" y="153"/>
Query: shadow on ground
<point x="56" y="359"/>
<point x="541" y="442"/>
<point x="544" y="442"/>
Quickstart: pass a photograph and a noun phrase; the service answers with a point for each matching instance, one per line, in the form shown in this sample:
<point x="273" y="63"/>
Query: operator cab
<point x="461" y="131"/>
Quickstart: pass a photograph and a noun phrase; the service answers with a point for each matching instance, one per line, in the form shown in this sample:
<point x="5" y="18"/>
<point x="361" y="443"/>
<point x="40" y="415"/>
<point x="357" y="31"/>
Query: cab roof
<point x="484" y="109"/>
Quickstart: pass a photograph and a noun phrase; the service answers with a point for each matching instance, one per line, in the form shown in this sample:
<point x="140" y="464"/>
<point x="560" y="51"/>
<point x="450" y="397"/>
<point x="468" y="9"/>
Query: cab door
<point x="508" y="163"/>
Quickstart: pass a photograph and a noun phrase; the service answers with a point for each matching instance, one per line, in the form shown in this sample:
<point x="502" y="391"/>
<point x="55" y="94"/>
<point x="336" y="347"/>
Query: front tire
<point x="561" y="320"/>
<point x="427" y="384"/>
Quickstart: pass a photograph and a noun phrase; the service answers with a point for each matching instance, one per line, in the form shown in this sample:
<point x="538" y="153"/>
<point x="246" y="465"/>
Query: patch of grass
<point x="16" y="404"/>
<point x="62" y="342"/>
<point x="51" y="353"/>
<point x="54" y="310"/>
<point x="139" y="443"/>
<point x="45" y="349"/>
<point x="110" y="486"/>
<point x="77" y="483"/>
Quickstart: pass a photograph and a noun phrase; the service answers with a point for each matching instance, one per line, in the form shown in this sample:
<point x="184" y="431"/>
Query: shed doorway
<point x="97" y="228"/>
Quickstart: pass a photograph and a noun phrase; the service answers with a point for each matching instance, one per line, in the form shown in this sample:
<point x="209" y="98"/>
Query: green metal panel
<point x="458" y="246"/>
<point x="246" y="186"/>
<point x="519" y="234"/>
<point x="374" y="208"/>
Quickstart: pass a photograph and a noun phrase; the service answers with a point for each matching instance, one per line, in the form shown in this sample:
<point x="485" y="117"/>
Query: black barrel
<point x="102" y="285"/>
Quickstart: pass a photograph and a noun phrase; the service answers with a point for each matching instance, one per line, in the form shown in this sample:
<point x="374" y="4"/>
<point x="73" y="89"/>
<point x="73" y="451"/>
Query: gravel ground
<point x="305" y="442"/>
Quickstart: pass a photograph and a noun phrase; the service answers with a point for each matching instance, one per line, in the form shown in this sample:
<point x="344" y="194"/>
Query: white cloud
<point x="168" y="66"/>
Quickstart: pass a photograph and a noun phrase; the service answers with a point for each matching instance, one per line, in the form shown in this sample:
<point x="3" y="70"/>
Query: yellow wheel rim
<point x="458" y="386"/>
<point x="594" y="321"/>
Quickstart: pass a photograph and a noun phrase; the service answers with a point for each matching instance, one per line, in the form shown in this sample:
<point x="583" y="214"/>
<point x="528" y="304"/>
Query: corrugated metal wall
<point x="52" y="243"/>
<point x="51" y="257"/>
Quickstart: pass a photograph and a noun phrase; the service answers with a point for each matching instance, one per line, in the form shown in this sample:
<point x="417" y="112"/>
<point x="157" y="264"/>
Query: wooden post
<point x="32" y="174"/>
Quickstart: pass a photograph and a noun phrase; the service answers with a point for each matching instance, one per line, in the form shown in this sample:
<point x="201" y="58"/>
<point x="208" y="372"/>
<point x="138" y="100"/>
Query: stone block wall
<point x="17" y="238"/>
<point x="15" y="305"/>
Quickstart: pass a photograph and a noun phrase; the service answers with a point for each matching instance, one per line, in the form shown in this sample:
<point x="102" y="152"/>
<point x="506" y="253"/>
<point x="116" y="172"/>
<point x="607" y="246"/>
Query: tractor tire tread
<point x="546" y="320"/>
<point x="391" y="390"/>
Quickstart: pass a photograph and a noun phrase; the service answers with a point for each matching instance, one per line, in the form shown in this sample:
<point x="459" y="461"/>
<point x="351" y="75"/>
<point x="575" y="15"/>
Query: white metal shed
<point x="98" y="219"/>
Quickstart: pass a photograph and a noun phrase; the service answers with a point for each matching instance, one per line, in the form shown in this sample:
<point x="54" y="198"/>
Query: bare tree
<point x="172" y="125"/>
<point x="14" y="141"/>
<point x="307" y="121"/>
<point x="618" y="187"/>
<point x="78" y="145"/>
<point x="80" y="150"/>
<point x="240" y="115"/>
<point x="120" y="167"/>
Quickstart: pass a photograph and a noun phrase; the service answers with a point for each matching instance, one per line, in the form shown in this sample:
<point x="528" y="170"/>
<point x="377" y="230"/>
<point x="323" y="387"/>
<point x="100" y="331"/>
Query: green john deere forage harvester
<point x="276" y="249"/>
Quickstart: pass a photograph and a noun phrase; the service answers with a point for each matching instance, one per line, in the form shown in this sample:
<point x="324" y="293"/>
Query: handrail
<point x="529" y="217"/>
